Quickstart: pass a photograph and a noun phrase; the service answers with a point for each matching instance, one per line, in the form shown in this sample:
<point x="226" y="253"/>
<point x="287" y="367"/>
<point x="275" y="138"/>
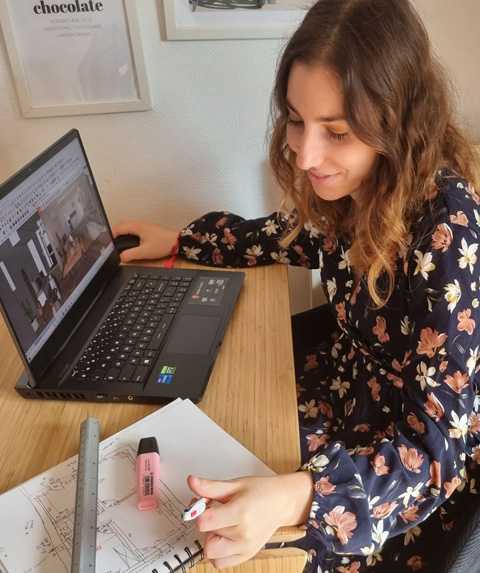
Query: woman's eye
<point x="294" y="122"/>
<point x="337" y="136"/>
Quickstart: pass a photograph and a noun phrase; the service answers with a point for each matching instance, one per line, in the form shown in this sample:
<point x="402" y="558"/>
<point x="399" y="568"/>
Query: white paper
<point x="36" y="518"/>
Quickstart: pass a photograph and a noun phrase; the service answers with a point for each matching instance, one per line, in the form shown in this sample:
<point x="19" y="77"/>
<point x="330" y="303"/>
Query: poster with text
<point x="74" y="52"/>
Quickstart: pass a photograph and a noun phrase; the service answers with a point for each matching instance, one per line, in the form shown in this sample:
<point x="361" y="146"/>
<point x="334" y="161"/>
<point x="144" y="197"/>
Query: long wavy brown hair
<point x="398" y="100"/>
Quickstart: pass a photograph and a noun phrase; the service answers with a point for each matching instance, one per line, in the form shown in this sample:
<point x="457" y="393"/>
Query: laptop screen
<point x="54" y="238"/>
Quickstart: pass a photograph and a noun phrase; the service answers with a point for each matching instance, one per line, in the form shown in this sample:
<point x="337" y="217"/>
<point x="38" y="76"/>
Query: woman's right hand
<point x="251" y="509"/>
<point x="155" y="242"/>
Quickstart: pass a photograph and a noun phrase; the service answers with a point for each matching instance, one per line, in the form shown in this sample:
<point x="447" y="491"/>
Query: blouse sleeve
<point x="362" y="497"/>
<point x="223" y="239"/>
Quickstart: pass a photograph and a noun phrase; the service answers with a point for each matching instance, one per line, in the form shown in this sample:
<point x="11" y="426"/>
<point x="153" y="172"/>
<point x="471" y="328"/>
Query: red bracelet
<point x="173" y="254"/>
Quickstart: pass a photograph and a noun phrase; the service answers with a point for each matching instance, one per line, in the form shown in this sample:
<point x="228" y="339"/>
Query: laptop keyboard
<point x="125" y="347"/>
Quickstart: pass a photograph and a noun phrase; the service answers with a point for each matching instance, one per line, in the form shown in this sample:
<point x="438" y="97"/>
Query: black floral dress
<point x="389" y="404"/>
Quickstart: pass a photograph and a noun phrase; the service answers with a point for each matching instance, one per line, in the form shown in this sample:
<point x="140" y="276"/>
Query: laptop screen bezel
<point x="50" y="349"/>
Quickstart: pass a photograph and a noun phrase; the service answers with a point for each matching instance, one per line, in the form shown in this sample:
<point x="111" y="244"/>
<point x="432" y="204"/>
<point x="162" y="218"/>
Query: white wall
<point x="202" y="146"/>
<point x="453" y="26"/>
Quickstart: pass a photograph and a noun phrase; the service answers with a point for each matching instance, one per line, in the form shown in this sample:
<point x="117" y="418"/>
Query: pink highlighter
<point x="148" y="473"/>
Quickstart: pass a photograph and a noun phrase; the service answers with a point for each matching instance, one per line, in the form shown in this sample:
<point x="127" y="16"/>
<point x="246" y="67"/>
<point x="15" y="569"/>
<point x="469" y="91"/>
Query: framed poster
<point x="70" y="57"/>
<point x="232" y="19"/>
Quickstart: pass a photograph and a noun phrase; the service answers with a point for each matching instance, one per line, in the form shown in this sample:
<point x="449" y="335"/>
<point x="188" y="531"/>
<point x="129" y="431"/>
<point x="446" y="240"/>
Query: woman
<point x="365" y="147"/>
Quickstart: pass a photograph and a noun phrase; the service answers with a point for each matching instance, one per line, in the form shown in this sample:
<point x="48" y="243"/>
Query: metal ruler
<point x="85" y="527"/>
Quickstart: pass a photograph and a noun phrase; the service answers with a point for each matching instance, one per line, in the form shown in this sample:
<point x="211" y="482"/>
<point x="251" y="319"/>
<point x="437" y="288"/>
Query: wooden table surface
<point x="251" y="395"/>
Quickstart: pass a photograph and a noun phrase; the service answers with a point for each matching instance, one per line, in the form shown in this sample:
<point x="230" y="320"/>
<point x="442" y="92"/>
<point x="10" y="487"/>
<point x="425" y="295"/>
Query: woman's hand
<point x="252" y="509"/>
<point x="155" y="242"/>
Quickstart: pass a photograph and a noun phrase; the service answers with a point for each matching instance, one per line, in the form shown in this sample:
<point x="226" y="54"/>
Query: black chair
<point x="463" y="552"/>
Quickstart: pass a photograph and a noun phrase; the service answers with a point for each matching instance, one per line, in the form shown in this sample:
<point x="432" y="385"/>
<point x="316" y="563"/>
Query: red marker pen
<point x="148" y="473"/>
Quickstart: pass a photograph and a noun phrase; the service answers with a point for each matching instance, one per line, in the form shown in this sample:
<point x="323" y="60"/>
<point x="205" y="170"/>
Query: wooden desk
<point x="251" y="394"/>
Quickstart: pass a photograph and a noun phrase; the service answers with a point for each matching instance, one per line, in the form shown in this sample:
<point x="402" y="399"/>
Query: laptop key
<point x="160" y="287"/>
<point x="98" y="374"/>
<point x="140" y="374"/>
<point x="160" y="332"/>
<point x="127" y="373"/>
<point x="112" y="374"/>
<point x="138" y="284"/>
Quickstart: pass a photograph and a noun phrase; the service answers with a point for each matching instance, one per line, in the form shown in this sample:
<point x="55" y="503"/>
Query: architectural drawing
<point x="118" y="533"/>
<point x="37" y="517"/>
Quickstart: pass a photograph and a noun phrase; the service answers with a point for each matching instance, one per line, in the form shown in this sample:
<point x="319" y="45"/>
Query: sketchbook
<point x="36" y="517"/>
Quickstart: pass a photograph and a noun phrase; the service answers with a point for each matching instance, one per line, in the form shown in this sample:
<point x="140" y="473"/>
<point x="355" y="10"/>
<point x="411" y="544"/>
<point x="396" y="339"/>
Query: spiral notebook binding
<point x="180" y="565"/>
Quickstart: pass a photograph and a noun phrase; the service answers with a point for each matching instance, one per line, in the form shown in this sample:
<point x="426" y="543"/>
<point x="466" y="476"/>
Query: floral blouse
<point x="404" y="400"/>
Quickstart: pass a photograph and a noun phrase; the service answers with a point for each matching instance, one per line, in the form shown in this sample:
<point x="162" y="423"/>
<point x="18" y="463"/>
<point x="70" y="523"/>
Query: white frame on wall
<point x="184" y="24"/>
<point x="31" y="110"/>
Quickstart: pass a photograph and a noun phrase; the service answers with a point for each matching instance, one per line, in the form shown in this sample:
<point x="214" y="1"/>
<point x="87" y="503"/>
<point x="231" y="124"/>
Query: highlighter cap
<point x="148" y="446"/>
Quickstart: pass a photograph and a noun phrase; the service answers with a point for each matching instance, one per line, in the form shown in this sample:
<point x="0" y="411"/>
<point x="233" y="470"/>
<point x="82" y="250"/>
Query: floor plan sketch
<point x="121" y="529"/>
<point x="37" y="517"/>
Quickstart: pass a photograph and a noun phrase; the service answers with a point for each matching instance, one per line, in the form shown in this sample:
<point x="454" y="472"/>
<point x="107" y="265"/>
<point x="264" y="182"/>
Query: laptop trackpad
<point x="193" y="334"/>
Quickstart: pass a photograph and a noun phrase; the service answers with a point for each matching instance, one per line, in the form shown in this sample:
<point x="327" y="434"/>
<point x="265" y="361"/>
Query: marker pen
<point x="148" y="473"/>
<point x="196" y="509"/>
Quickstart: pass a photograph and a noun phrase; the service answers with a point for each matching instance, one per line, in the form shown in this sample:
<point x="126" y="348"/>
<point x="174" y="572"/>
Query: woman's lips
<point x="321" y="179"/>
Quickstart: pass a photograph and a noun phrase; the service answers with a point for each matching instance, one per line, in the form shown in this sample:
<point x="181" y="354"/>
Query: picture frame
<point x="72" y="58"/>
<point x="274" y="19"/>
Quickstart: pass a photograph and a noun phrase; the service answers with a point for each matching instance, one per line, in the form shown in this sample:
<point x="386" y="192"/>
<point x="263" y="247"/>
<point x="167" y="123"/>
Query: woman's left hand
<point x="252" y="509"/>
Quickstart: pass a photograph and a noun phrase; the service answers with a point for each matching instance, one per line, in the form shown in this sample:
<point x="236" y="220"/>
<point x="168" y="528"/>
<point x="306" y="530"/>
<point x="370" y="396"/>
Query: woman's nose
<point x="310" y="152"/>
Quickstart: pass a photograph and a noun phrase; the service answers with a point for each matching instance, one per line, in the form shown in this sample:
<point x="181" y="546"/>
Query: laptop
<point x="87" y="327"/>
